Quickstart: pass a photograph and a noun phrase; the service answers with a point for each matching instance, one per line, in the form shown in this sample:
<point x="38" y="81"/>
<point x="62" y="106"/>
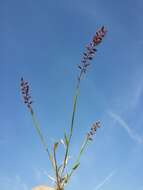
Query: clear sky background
<point x="43" y="41"/>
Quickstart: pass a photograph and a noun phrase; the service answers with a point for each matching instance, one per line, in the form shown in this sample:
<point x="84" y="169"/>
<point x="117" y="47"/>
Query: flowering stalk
<point x="25" y="88"/>
<point x="62" y="177"/>
<point x="85" y="63"/>
<point x="88" y="137"/>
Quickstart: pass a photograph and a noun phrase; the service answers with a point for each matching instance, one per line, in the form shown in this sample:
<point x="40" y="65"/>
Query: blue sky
<point x="43" y="41"/>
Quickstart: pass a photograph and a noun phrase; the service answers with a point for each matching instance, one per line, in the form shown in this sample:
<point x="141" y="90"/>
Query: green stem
<point x="82" y="148"/>
<point x="79" y="155"/>
<point x="71" y="129"/>
<point x="37" y="127"/>
<point x="56" y="170"/>
<point x="72" y="120"/>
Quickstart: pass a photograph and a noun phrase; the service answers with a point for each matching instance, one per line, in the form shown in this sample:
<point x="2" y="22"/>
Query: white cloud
<point x="106" y="180"/>
<point x="126" y="127"/>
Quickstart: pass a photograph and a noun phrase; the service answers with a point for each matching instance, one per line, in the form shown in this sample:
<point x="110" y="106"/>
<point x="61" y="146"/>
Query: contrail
<point x="105" y="180"/>
<point x="123" y="124"/>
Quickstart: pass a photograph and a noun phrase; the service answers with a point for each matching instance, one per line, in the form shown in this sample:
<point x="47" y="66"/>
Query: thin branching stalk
<point x="41" y="137"/>
<point x="62" y="177"/>
<point x="85" y="63"/>
<point x="56" y="167"/>
<point x="73" y="117"/>
<point x="28" y="102"/>
<point x="71" y="129"/>
<point x="36" y="125"/>
<point x="77" y="162"/>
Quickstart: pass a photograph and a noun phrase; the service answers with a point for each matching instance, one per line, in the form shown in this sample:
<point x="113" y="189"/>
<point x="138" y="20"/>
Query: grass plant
<point x="62" y="175"/>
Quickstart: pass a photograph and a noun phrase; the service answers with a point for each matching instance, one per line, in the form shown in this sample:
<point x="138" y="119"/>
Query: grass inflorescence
<point x="62" y="176"/>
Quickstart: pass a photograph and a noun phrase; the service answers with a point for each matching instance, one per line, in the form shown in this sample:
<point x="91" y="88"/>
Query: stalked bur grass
<point x="62" y="176"/>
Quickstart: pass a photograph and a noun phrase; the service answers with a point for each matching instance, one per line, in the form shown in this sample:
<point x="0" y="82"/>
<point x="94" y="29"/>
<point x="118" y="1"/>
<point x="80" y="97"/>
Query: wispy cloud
<point x="40" y="173"/>
<point x="134" y="136"/>
<point x="20" y="183"/>
<point x="14" y="183"/>
<point x="106" y="180"/>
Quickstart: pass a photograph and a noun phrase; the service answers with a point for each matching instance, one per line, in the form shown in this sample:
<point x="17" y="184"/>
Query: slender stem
<point x="56" y="170"/>
<point x="79" y="155"/>
<point x="73" y="118"/>
<point x="37" y="127"/>
<point x="82" y="149"/>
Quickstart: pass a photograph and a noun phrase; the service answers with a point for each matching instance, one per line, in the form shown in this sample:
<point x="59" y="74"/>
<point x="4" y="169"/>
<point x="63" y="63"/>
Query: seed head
<point x="93" y="130"/>
<point x="91" y="50"/>
<point x="25" y="94"/>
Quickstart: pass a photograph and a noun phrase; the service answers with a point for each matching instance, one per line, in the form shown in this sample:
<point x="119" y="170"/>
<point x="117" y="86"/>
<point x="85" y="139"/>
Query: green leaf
<point x="52" y="160"/>
<point x="66" y="139"/>
<point x="55" y="146"/>
<point x="67" y="159"/>
<point x="66" y="178"/>
<point x="76" y="166"/>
